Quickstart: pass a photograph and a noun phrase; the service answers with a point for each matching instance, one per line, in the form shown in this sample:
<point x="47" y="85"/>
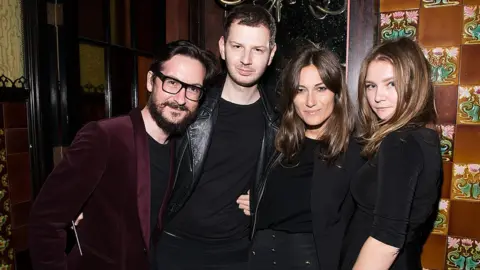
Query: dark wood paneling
<point x="177" y="20"/>
<point x="206" y="24"/>
<point x="362" y="31"/>
<point x="214" y="23"/>
<point x="196" y="15"/>
<point x="15" y="115"/>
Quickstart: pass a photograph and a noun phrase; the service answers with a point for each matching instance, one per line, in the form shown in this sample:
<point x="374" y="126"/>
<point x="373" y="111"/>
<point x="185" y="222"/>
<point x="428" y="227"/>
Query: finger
<point x="243" y="206"/>
<point x="244" y="197"/>
<point x="243" y="202"/>
<point x="79" y="218"/>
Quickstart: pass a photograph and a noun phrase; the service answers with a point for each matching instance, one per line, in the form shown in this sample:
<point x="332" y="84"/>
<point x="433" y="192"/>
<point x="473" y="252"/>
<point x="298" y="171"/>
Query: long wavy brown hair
<point x="415" y="103"/>
<point x="338" y="126"/>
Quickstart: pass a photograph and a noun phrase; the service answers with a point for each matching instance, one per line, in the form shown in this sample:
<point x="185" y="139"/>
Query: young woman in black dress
<point x="298" y="206"/>
<point x="396" y="192"/>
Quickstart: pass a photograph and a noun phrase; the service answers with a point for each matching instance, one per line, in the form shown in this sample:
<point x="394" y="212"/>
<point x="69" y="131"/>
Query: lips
<point x="244" y="72"/>
<point x="177" y="111"/>
<point x="311" y="112"/>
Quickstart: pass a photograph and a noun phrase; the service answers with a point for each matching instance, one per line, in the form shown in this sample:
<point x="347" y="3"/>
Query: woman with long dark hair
<point x="397" y="190"/>
<point x="299" y="206"/>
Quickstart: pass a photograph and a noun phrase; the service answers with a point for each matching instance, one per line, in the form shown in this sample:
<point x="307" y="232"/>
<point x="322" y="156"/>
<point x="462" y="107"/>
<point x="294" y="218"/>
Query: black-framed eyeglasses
<point x="173" y="86"/>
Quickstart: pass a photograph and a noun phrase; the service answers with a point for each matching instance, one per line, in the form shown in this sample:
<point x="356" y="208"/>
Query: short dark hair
<point x="253" y="16"/>
<point x="185" y="48"/>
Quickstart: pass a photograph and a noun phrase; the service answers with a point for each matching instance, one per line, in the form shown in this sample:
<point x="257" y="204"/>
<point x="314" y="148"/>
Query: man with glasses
<point x="119" y="172"/>
<point x="222" y="153"/>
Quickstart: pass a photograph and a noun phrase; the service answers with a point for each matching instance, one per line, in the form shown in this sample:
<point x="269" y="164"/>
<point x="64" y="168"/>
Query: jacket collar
<point x="143" y="173"/>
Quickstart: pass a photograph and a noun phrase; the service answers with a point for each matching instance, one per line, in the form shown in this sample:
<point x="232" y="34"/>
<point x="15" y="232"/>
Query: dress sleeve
<point x="400" y="162"/>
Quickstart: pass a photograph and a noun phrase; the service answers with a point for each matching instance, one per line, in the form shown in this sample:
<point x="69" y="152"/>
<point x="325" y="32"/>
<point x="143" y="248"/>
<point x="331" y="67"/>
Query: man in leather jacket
<point x="223" y="154"/>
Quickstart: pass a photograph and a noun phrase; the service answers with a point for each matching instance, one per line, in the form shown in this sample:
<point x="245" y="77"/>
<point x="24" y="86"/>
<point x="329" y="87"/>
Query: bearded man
<point x="118" y="173"/>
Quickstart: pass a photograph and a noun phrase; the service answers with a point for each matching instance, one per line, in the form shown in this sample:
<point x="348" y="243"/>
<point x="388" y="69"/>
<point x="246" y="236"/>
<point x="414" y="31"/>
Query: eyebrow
<point x="240" y="44"/>
<point x="384" y="80"/>
<point x="177" y="79"/>
<point x="316" y="85"/>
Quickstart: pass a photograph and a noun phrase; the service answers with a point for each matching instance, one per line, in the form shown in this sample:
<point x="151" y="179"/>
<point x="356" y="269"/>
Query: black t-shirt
<point x="212" y="214"/>
<point x="159" y="172"/>
<point x="285" y="205"/>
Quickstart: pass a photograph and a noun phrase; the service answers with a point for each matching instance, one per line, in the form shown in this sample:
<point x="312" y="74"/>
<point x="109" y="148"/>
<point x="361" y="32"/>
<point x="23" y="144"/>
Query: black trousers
<point x="175" y="253"/>
<point x="283" y="251"/>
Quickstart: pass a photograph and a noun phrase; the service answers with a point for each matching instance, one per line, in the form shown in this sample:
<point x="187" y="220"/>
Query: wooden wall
<point x="177" y="20"/>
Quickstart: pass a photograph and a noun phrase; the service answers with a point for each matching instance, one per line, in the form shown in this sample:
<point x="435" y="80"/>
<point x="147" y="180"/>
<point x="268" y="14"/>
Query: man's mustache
<point x="175" y="106"/>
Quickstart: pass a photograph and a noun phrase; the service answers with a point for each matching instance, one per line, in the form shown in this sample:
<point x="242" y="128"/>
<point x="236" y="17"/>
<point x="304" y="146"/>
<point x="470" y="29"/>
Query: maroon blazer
<point x="106" y="175"/>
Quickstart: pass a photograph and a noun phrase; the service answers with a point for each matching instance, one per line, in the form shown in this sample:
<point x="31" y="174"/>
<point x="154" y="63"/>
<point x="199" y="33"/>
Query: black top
<point x="159" y="173"/>
<point x="285" y="205"/>
<point x="396" y="194"/>
<point x="212" y="214"/>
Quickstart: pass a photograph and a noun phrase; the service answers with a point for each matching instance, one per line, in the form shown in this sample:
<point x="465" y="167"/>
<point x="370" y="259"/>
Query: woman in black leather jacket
<point x="302" y="206"/>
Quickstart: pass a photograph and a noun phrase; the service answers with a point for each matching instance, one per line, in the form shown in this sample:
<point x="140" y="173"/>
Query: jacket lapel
<point x="143" y="174"/>
<point x="200" y="132"/>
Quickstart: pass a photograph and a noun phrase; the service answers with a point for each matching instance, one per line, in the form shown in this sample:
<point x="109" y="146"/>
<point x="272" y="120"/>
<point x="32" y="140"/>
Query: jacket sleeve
<point x="63" y="195"/>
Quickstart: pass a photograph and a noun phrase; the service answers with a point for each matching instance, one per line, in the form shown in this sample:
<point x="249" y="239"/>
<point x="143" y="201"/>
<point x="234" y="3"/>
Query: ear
<point x="149" y="81"/>
<point x="272" y="53"/>
<point x="221" y="47"/>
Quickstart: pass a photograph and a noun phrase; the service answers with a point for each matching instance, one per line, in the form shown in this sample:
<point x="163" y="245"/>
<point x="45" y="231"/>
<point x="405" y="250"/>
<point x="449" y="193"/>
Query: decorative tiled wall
<point x="449" y="33"/>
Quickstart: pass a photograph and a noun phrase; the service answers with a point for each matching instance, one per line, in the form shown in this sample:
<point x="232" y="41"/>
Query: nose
<point x="246" y="58"/>
<point x="310" y="102"/>
<point x="180" y="96"/>
<point x="379" y="94"/>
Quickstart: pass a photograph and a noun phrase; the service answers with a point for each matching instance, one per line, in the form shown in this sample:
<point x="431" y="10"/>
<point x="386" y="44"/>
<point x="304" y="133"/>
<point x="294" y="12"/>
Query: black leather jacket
<point x="193" y="146"/>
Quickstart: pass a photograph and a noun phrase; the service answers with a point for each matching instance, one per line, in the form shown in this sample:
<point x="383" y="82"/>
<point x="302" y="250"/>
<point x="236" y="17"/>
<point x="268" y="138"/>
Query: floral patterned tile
<point x="465" y="182"/>
<point x="441" y="223"/>
<point x="471" y="25"/>
<point x="468" y="110"/>
<point x="398" y="24"/>
<point x="463" y="253"/>
<point x="446" y="141"/>
<point x="439" y="3"/>
<point x="444" y="64"/>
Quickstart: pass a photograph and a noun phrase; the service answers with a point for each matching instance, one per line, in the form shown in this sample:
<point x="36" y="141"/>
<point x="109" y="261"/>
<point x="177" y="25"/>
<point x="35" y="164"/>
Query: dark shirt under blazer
<point x="331" y="205"/>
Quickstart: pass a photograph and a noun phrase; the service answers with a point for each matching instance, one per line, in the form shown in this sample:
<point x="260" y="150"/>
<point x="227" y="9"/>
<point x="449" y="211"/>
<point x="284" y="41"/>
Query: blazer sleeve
<point x="400" y="162"/>
<point x="63" y="195"/>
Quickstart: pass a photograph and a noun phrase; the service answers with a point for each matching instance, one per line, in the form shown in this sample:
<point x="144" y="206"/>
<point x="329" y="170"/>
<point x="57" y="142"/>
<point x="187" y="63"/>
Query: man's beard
<point x="170" y="128"/>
